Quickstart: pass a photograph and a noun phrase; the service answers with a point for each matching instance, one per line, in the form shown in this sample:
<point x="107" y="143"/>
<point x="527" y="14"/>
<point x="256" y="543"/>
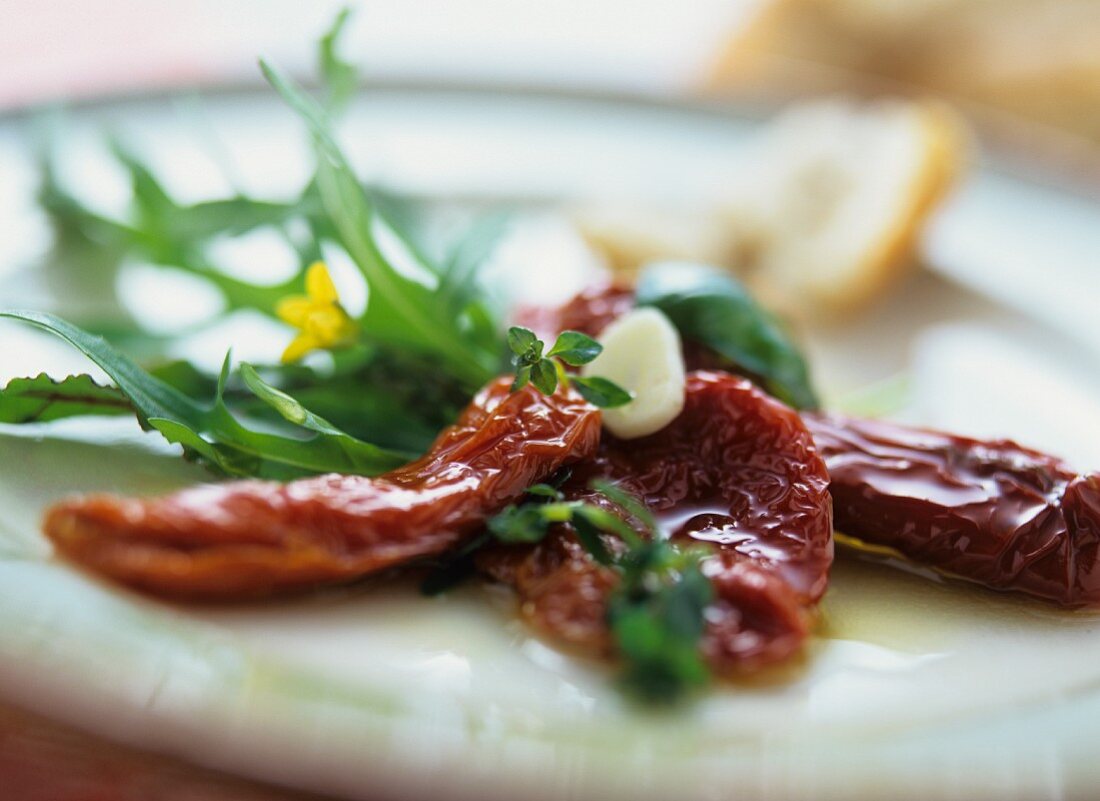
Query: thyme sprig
<point x="546" y="370"/>
<point x="657" y="612"/>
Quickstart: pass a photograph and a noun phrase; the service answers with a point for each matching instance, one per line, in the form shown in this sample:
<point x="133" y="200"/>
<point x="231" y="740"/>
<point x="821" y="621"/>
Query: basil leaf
<point x="601" y="392"/>
<point x="575" y="348"/>
<point x="712" y="308"/>
<point x="42" y="399"/>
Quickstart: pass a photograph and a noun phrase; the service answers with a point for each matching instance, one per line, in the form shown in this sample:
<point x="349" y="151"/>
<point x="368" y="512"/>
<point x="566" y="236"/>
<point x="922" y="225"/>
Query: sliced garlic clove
<point x="642" y="354"/>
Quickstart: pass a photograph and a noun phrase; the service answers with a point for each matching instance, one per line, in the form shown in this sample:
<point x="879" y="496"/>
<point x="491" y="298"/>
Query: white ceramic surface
<point x="914" y="688"/>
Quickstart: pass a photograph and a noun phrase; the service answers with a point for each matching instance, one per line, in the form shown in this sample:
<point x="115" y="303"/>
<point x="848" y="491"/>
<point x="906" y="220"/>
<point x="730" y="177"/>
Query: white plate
<point x="913" y="689"/>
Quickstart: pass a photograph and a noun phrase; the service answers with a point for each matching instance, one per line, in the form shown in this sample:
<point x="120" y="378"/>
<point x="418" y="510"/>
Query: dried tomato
<point x="255" y="538"/>
<point x="589" y="312"/>
<point x="991" y="512"/>
<point x="736" y="472"/>
<point x="988" y="511"/>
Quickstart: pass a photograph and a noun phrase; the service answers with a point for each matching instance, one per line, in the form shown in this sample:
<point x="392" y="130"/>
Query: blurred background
<point x="1012" y="83"/>
<point x="1026" y="71"/>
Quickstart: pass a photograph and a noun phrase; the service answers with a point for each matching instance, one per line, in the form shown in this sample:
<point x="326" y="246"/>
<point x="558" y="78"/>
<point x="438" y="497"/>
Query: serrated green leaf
<point x="42" y="399"/>
<point x="211" y="432"/>
<point x="149" y="396"/>
<point x="711" y="307"/>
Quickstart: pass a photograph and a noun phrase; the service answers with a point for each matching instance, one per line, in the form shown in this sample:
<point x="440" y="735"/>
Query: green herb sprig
<point x="656" y="614"/>
<point x="546" y="370"/>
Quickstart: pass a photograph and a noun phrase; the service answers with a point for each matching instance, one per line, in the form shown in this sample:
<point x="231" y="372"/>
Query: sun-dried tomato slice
<point x="245" y="539"/>
<point x="737" y="472"/>
<point x="991" y="512"/>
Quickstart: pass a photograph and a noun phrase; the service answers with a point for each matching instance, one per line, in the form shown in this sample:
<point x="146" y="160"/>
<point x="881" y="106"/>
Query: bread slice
<point x="826" y="215"/>
<point x="841" y="193"/>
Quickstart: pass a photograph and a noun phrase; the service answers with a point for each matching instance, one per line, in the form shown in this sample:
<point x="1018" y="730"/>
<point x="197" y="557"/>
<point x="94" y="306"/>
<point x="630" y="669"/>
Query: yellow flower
<point x="318" y="316"/>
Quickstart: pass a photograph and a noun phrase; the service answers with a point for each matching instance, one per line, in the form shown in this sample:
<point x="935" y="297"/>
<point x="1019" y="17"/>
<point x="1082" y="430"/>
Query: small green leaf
<point x="601" y="392"/>
<point x="589" y="537"/>
<point x="544" y="376"/>
<point x="711" y="307"/>
<point x="657" y="612"/>
<point x="657" y="619"/>
<point x="523" y="342"/>
<point x="610" y="522"/>
<point x="575" y="348"/>
<point x="629" y="503"/>
<point x="544" y="491"/>
<point x="523" y="375"/>
<point x="42" y="399"/>
<point x="520" y="524"/>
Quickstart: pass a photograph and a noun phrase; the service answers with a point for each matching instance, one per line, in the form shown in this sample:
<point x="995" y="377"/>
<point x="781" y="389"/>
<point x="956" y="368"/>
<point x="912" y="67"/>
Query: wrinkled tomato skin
<point x="991" y="512"/>
<point x="987" y="511"/>
<point x="737" y="473"/>
<point x="736" y="469"/>
<point x="248" y="539"/>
